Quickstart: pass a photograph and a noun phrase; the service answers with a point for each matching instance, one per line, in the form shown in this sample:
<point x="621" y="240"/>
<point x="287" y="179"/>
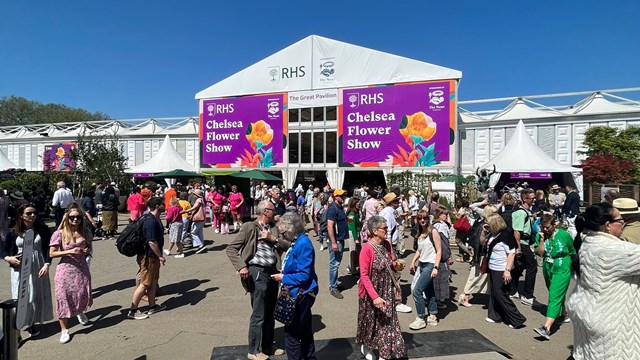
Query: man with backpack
<point x="521" y="220"/>
<point x="149" y="261"/>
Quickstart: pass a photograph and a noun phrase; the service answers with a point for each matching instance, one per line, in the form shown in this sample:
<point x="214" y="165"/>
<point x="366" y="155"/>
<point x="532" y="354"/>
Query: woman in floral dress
<point x="378" y="325"/>
<point x="72" y="280"/>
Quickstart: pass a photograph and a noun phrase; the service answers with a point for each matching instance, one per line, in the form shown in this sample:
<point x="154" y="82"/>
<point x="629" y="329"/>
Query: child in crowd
<point x="174" y="219"/>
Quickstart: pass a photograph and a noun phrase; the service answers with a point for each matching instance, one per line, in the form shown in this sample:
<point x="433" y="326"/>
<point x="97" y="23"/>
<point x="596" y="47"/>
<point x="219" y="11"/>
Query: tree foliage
<point x="607" y="169"/>
<point x="613" y="155"/>
<point x="15" y="110"/>
<point x="99" y="159"/>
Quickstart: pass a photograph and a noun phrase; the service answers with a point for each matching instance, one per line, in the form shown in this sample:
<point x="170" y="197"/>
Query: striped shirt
<point x="265" y="254"/>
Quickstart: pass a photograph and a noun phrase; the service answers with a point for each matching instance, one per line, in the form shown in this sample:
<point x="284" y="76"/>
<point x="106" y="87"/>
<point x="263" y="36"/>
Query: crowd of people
<point x="501" y="241"/>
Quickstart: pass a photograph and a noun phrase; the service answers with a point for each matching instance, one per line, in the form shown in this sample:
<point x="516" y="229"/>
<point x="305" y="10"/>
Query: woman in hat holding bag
<point x="197" y="216"/>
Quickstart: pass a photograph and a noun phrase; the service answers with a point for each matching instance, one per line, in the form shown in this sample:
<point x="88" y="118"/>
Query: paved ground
<point x="207" y="307"/>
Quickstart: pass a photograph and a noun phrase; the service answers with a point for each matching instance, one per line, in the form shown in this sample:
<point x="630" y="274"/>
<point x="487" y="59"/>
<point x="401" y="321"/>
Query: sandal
<point x="460" y="259"/>
<point x="463" y="301"/>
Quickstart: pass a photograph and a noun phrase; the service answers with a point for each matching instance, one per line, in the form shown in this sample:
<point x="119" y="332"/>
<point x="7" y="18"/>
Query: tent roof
<point x="187" y="127"/>
<point x="5" y="163"/>
<point x="166" y="159"/>
<point x="317" y="62"/>
<point x="146" y="128"/>
<point x="597" y="104"/>
<point x="521" y="154"/>
<point x="518" y="110"/>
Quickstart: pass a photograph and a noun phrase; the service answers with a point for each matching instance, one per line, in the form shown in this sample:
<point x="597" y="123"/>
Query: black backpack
<point x="507" y="212"/>
<point x="131" y="241"/>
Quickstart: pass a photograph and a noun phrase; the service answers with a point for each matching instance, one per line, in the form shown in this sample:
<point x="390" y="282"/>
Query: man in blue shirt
<point x="338" y="231"/>
<point x="149" y="261"/>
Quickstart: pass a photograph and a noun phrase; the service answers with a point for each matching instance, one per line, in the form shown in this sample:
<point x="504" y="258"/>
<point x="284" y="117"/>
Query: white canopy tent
<point x="166" y="159"/>
<point x="5" y="163"/>
<point x="522" y="155"/>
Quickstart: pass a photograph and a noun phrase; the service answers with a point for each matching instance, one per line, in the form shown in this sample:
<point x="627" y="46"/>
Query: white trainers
<point x="515" y="296"/>
<point x="403" y="308"/>
<point x="166" y="252"/>
<point x="418" y="324"/>
<point x="82" y="319"/>
<point x="64" y="337"/>
<point x="217" y="231"/>
<point x="179" y="256"/>
<point x="527" y="301"/>
<point x="432" y="320"/>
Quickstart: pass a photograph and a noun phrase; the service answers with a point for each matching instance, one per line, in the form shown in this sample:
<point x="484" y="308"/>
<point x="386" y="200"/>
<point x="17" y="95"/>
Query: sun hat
<point x="626" y="206"/>
<point x="390" y="197"/>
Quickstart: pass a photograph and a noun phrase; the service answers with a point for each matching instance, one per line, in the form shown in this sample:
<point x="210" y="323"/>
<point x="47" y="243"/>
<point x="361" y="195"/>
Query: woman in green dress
<point x="556" y="247"/>
<point x="353" y="220"/>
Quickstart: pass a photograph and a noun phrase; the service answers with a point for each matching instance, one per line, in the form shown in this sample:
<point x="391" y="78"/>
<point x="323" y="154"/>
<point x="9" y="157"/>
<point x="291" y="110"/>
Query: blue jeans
<point x="425" y="285"/>
<point x="335" y="258"/>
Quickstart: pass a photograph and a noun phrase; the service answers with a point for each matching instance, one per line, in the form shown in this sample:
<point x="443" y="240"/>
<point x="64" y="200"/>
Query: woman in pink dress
<point x="217" y="200"/>
<point x="236" y="201"/>
<point x="72" y="280"/>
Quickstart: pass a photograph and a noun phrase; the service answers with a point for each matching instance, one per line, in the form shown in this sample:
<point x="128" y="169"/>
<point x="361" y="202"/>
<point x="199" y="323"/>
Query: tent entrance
<point x="316" y="178"/>
<point x="372" y="179"/>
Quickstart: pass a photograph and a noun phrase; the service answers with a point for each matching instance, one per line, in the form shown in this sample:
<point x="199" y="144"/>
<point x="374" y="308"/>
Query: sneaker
<point x="179" y="256"/>
<point x="563" y="320"/>
<point x="515" y="296"/>
<point x="527" y="301"/>
<point x="166" y="252"/>
<point x="33" y="331"/>
<point x="157" y="308"/>
<point x="403" y="308"/>
<point x="432" y="320"/>
<point x="259" y="356"/>
<point x="64" y="337"/>
<point x="336" y="294"/>
<point x="273" y="351"/>
<point x="321" y="247"/>
<point x="365" y="351"/>
<point x="82" y="319"/>
<point x="418" y="324"/>
<point x="201" y="249"/>
<point x="490" y="320"/>
<point x="218" y="232"/>
<point x="542" y="331"/>
<point x="137" y="315"/>
<point x="516" y="327"/>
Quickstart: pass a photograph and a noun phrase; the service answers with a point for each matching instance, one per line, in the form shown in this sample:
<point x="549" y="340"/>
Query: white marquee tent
<point x="316" y="63"/>
<point x="5" y="163"/>
<point x="166" y="159"/>
<point x="521" y="154"/>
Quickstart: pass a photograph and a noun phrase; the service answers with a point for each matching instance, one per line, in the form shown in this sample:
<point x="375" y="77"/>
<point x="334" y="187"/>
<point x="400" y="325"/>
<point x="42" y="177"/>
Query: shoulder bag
<point x="285" y="306"/>
<point x="462" y="225"/>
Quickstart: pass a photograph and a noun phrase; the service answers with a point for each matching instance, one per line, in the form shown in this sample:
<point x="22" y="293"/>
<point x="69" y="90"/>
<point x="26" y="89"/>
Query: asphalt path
<point x="207" y="307"/>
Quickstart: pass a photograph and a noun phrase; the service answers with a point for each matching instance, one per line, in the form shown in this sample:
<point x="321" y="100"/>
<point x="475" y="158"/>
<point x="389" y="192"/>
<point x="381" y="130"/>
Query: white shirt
<point x="388" y="214"/>
<point x="499" y="254"/>
<point x="62" y="197"/>
<point x="427" y="250"/>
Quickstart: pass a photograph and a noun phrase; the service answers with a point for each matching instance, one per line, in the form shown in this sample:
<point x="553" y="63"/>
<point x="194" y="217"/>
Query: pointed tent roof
<point x="147" y="128"/>
<point x="317" y="62"/>
<point x="5" y="163"/>
<point x="521" y="154"/>
<point x="518" y="110"/>
<point x="166" y="159"/>
<point x="597" y="104"/>
<point x="187" y="127"/>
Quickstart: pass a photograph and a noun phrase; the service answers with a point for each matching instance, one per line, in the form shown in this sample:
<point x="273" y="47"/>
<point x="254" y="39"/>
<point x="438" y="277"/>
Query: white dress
<point x="605" y="305"/>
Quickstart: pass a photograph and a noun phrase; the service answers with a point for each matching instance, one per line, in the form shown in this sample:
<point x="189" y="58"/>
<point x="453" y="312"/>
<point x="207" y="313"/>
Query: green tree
<point x="15" y="110"/>
<point x="99" y="159"/>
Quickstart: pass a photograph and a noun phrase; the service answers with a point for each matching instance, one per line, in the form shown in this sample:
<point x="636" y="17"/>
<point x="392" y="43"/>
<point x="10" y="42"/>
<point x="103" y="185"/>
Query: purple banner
<point x="245" y="131"/>
<point x="57" y="157"/>
<point x="406" y="125"/>
<point x="521" y="175"/>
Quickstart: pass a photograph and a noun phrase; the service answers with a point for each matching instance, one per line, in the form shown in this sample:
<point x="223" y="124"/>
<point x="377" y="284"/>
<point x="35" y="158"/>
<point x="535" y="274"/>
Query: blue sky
<point x="135" y="59"/>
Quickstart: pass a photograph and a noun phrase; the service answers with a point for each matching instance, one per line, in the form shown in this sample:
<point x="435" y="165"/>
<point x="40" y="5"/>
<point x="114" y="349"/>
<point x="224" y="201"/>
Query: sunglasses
<point x="383" y="228"/>
<point x="621" y="220"/>
<point x="74" y="218"/>
<point x="30" y="213"/>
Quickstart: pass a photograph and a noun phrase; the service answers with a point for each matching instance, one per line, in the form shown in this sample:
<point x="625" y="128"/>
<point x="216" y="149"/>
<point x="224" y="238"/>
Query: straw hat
<point x="389" y="198"/>
<point x="626" y="206"/>
<point x="197" y="192"/>
<point x="555" y="187"/>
